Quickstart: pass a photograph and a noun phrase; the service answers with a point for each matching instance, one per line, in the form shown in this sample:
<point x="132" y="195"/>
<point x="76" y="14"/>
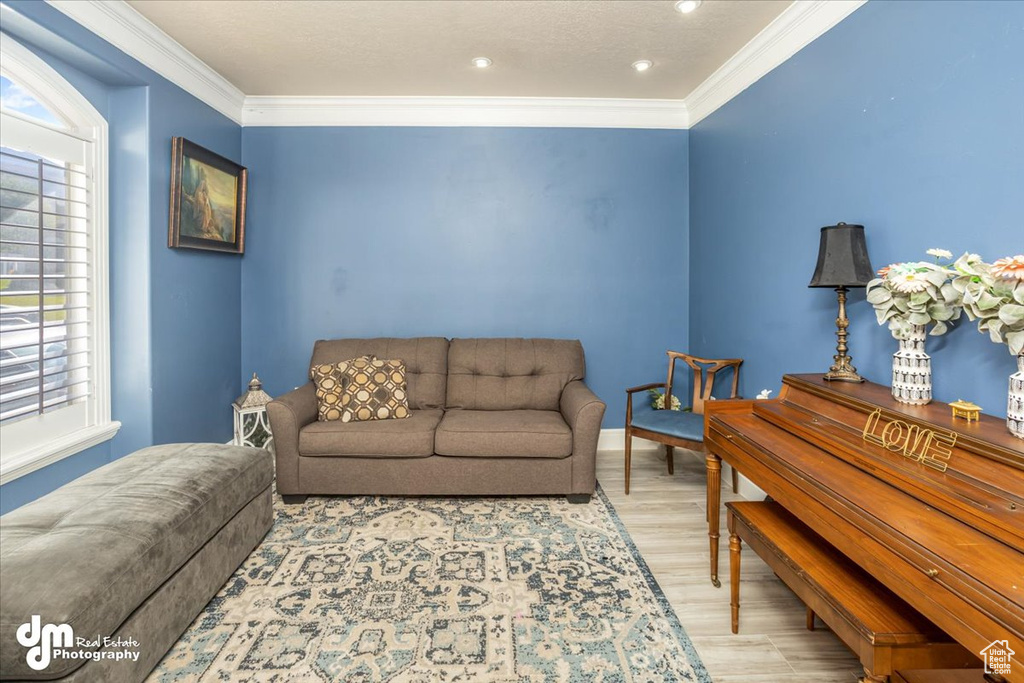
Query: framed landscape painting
<point x="207" y="200"/>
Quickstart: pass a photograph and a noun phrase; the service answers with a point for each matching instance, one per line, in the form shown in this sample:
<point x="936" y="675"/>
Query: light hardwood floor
<point x="665" y="516"/>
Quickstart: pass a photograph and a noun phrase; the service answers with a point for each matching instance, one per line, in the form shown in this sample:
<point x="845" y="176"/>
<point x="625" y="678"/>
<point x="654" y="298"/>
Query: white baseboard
<point x="749" y="489"/>
<point x="615" y="440"/>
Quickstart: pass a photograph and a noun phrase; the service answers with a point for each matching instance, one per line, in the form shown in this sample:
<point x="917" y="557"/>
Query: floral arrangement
<point x="658" y="400"/>
<point x="916" y="293"/>
<point x="993" y="295"/>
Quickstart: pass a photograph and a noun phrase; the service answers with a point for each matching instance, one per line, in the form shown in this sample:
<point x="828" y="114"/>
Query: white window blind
<point x="54" y="308"/>
<point x="45" y="270"/>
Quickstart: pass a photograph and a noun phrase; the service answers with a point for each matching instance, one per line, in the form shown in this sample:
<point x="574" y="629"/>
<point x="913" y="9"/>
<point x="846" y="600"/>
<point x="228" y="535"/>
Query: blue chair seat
<point x="683" y="425"/>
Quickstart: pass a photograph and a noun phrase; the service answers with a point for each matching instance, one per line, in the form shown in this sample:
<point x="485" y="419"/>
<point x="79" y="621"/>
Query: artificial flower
<point x="908" y="283"/>
<point x="1009" y="268"/>
<point x="658" y="400"/>
<point x="939" y="253"/>
<point x="993" y="295"/>
<point x="915" y="293"/>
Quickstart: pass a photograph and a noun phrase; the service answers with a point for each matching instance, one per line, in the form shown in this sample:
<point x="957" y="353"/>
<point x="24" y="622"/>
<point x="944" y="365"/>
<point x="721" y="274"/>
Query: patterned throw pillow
<point x="330" y="381"/>
<point x="374" y="389"/>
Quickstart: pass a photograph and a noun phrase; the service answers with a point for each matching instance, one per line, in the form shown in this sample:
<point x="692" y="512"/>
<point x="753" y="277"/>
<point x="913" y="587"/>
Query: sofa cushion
<point x="375" y="389"/>
<point x="425" y="358"/>
<point x="89" y="553"/>
<point x="511" y="374"/>
<point x="514" y="433"/>
<point x="412" y="437"/>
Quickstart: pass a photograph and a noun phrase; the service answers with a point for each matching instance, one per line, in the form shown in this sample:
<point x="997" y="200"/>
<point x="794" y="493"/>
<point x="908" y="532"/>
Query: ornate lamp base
<point x="842" y="369"/>
<point x="842" y="373"/>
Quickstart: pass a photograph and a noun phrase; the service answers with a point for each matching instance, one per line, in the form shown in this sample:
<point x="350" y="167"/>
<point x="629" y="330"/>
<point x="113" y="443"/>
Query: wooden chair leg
<point x="629" y="454"/>
<point x="734" y="574"/>
<point x="810" y="619"/>
<point x="669" y="450"/>
<point x="735" y="480"/>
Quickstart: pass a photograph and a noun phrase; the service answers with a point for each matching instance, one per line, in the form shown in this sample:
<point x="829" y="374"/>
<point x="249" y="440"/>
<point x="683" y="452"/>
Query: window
<point x="54" y="358"/>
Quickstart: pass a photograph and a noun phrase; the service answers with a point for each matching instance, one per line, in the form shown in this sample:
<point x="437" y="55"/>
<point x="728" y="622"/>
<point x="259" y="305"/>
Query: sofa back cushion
<point x="426" y="363"/>
<point x="511" y="374"/>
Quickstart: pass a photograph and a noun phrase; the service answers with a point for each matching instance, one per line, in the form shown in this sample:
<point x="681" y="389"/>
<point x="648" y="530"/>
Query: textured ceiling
<point x="540" y="48"/>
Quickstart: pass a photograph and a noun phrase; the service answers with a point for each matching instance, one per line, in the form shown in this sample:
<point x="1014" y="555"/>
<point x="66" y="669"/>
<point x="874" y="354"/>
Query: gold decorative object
<point x="923" y="445"/>
<point x="966" y="410"/>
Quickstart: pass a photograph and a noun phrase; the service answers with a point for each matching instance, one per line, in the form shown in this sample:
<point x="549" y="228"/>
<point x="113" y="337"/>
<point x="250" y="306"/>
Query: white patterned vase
<point x="912" y="370"/>
<point x="1015" y="401"/>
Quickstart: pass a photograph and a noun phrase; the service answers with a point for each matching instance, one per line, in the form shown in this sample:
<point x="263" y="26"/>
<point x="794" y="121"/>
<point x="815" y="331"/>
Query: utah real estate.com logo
<point x="46" y="642"/>
<point x="997" y="657"/>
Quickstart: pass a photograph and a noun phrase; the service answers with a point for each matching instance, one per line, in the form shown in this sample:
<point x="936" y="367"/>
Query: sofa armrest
<point x="583" y="412"/>
<point x="288" y="414"/>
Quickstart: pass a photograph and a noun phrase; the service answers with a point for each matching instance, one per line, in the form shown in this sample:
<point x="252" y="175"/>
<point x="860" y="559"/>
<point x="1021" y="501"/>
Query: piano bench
<point x="882" y="630"/>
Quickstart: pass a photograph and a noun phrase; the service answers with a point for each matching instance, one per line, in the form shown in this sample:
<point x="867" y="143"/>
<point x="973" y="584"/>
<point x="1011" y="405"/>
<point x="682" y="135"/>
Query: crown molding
<point x="120" y="25"/>
<point x="798" y="25"/>
<point x="464" y="111"/>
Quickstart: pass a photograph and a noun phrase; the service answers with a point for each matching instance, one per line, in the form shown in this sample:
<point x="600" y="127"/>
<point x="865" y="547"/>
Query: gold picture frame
<point x="208" y="197"/>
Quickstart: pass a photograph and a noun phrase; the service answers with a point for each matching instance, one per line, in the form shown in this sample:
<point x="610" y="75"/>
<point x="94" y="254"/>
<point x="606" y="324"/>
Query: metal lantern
<point x="252" y="427"/>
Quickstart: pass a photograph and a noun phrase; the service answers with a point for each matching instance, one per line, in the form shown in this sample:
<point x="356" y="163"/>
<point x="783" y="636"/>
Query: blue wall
<point x="466" y="232"/>
<point x="195" y="296"/>
<point x="175" y="315"/>
<point x="907" y="117"/>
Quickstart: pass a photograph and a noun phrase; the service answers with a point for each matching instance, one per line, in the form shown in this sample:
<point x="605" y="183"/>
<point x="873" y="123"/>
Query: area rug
<point x="424" y="590"/>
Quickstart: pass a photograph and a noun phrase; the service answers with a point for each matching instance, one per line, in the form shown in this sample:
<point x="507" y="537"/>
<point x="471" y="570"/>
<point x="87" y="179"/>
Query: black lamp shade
<point x="842" y="258"/>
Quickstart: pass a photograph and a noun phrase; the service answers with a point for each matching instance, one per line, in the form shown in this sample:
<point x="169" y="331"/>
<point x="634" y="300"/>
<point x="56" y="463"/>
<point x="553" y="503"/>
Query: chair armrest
<point x="288" y="415"/>
<point x="645" y="387"/>
<point x="583" y="412"/>
<point x="629" y="398"/>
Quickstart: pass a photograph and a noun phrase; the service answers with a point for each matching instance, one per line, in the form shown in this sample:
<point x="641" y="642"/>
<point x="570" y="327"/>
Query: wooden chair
<point x="677" y="428"/>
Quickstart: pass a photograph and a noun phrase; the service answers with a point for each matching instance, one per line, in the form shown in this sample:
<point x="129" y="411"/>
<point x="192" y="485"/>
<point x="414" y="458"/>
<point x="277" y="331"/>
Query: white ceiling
<point x="540" y="48"/>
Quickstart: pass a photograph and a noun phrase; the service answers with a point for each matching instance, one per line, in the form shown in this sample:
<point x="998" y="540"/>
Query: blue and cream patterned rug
<point x="425" y="590"/>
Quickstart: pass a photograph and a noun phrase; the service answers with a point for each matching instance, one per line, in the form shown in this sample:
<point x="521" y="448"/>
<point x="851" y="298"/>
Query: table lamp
<point x="842" y="263"/>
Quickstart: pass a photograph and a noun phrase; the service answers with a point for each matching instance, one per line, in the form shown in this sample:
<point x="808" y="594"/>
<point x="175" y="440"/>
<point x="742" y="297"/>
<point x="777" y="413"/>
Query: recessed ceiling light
<point x="481" y="62"/>
<point x="643" y="65"/>
<point x="687" y="6"/>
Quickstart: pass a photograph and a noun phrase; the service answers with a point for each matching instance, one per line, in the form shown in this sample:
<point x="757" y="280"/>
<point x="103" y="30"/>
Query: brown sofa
<point x="489" y="417"/>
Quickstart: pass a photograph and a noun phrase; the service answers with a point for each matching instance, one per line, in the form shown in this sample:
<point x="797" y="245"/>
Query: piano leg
<point x="871" y="678"/>
<point x="714" y="464"/>
<point x="734" y="573"/>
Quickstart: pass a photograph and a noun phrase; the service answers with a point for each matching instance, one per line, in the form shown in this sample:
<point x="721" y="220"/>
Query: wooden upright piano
<point x="930" y="506"/>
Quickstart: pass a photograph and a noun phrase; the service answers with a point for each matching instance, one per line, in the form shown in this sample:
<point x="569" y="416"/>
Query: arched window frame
<point x="35" y="445"/>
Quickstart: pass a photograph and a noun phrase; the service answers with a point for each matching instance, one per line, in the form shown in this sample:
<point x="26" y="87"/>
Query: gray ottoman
<point x="132" y="552"/>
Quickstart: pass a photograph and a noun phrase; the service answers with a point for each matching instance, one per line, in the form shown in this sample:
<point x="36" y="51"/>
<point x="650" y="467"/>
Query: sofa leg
<point x="578" y="498"/>
<point x="294" y="500"/>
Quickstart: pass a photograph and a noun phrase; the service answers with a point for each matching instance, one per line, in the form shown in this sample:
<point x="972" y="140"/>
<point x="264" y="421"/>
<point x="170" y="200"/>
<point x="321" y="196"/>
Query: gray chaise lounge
<point x="489" y="417"/>
<point x="133" y="550"/>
